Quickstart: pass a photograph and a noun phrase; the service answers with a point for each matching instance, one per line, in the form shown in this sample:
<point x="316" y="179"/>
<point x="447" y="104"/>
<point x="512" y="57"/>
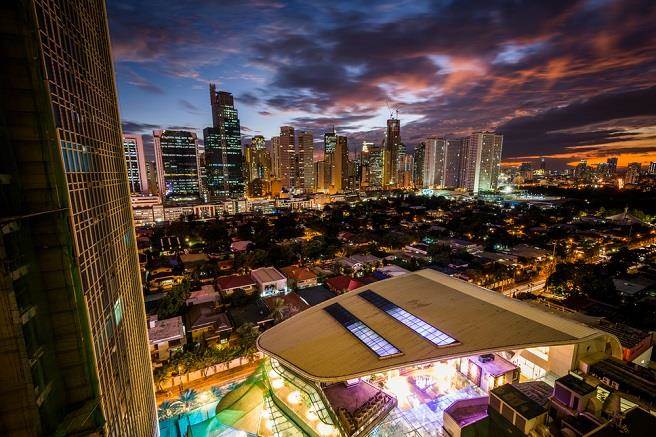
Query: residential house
<point x="299" y="277"/>
<point x="165" y="337"/>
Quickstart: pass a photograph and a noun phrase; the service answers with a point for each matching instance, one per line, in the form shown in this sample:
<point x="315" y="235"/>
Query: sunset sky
<point x="561" y="79"/>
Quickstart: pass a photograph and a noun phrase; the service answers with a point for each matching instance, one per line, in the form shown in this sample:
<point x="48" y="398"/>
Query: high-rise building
<point x="75" y="355"/>
<point x="288" y="167"/>
<point x="543" y="164"/>
<point x="612" y="166"/>
<point x="419" y="159"/>
<point x="257" y="166"/>
<point x="453" y="162"/>
<point x="390" y="152"/>
<point x="375" y="167"/>
<point x="632" y="175"/>
<point x="483" y="161"/>
<point x="276" y="170"/>
<point x="305" y="161"/>
<point x="340" y="162"/>
<point x="135" y="162"/>
<point x="223" y="155"/>
<point x="177" y="165"/>
<point x="329" y="144"/>
<point x="434" y="161"/>
<point x="652" y="168"/>
<point x="151" y="174"/>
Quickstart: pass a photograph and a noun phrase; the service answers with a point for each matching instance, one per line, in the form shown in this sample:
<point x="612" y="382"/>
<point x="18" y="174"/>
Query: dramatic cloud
<point x="563" y="79"/>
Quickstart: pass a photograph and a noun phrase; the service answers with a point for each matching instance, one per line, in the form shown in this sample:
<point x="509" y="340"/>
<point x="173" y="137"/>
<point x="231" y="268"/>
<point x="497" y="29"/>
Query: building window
<point x="429" y="332"/>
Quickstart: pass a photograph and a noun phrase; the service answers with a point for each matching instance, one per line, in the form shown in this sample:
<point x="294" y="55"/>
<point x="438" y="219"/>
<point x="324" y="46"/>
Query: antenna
<point x="389" y="108"/>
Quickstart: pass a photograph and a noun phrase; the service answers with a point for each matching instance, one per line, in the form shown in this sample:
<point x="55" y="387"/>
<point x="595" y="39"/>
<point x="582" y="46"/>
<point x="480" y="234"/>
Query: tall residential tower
<point x="74" y="355"/>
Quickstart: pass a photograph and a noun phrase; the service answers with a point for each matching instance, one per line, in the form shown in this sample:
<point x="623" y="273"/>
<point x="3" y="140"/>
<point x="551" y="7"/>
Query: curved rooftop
<point x="416" y="318"/>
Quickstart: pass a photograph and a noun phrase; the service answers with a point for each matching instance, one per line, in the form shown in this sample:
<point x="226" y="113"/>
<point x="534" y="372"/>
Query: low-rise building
<point x="299" y="277"/>
<point x="270" y="282"/>
<point x="206" y="323"/>
<point x="228" y="285"/>
<point x="165" y="338"/>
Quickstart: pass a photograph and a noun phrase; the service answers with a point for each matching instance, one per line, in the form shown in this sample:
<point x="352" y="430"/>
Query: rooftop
<point x="318" y="346"/>
<point x="267" y="274"/>
<point x="205" y="314"/>
<point x="166" y="330"/>
<point x="315" y="295"/>
<point x="298" y="273"/>
<point x="234" y="281"/>
<point x="576" y="385"/>
<point x="513" y="396"/>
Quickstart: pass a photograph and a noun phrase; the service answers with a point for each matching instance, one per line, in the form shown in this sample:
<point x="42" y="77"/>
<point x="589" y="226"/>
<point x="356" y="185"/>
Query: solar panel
<point x="426" y="330"/>
<point x="361" y="331"/>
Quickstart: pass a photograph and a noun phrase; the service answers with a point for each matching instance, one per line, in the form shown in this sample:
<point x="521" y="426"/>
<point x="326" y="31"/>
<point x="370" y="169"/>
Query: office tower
<point x="364" y="169"/>
<point x="202" y="172"/>
<point x="177" y="164"/>
<point x="275" y="158"/>
<point x="632" y="173"/>
<point x="652" y="168"/>
<point x="453" y="162"/>
<point x="319" y="176"/>
<point x="581" y="169"/>
<point x="305" y="161"/>
<point x="526" y="171"/>
<point x="287" y="157"/>
<point x="434" y="159"/>
<point x="390" y="152"/>
<point x="329" y="144"/>
<point x="612" y="165"/>
<point x="257" y="166"/>
<point x="483" y="161"/>
<point x="223" y="155"/>
<point x="375" y="167"/>
<point x="419" y="159"/>
<point x="339" y="165"/>
<point x="406" y="170"/>
<point x="74" y="343"/>
<point x="135" y="162"/>
<point x="151" y="175"/>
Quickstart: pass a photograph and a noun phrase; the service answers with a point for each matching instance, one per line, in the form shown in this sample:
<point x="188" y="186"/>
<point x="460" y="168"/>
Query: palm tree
<point x="166" y="409"/>
<point x="188" y="398"/>
<point x="246" y="336"/>
<point x="278" y="309"/>
<point x="217" y="392"/>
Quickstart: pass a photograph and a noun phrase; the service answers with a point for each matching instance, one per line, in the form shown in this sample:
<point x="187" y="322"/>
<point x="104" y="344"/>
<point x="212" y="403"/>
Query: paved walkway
<point x="218" y="379"/>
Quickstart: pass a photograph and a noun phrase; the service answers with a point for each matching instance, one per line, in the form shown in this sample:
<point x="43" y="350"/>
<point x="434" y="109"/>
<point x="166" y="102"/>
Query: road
<point x="529" y="287"/>
<point x="220" y="379"/>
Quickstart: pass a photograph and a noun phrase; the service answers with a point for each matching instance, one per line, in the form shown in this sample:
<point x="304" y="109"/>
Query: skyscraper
<point x="305" y="161"/>
<point x="483" y="161"/>
<point x="375" y="167"/>
<point x="434" y="159"/>
<point x="75" y="350"/>
<point x="340" y="162"/>
<point x="276" y="170"/>
<point x="135" y="161"/>
<point x="632" y="175"/>
<point x="287" y="157"/>
<point x="390" y="152"/>
<point x="453" y="161"/>
<point x="329" y="144"/>
<point x="612" y="165"/>
<point x="223" y="155"/>
<point x="419" y="157"/>
<point x="652" y="168"/>
<point x="177" y="165"/>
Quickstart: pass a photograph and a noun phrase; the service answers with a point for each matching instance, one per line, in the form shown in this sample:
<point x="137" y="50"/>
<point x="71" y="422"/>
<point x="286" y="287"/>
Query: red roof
<point x="342" y="283"/>
<point x="234" y="281"/>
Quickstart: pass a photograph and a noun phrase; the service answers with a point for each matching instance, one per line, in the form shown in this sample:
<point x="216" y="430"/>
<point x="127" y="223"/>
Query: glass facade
<point x="362" y="332"/>
<point x="177" y="165"/>
<point x="429" y="332"/>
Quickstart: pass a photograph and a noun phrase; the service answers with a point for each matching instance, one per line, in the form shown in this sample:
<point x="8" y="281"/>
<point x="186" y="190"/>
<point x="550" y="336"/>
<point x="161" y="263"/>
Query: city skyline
<point x="566" y="81"/>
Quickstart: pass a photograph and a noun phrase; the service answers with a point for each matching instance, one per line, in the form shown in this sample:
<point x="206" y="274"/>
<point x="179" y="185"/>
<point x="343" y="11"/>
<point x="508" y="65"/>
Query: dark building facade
<point x="74" y="342"/>
<point x="223" y="154"/>
<point x="176" y="156"/>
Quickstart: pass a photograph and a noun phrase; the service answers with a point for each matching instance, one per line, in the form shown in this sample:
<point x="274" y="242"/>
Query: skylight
<point x="365" y="334"/>
<point x="426" y="330"/>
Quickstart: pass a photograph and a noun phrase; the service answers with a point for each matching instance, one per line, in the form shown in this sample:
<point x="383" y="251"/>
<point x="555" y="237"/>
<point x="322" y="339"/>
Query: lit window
<point x="429" y="332"/>
<point x="365" y="334"/>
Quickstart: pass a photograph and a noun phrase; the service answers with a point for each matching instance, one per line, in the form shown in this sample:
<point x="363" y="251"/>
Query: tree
<point x="188" y="398"/>
<point x="278" y="310"/>
<point x="172" y="304"/>
<point x="246" y="336"/>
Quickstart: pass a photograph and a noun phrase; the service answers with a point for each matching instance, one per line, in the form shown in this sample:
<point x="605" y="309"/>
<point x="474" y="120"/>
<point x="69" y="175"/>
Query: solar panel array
<point x="426" y="330"/>
<point x="361" y="331"/>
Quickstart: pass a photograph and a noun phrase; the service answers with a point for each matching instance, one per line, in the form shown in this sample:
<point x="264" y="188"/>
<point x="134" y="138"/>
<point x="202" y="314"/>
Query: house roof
<point x="267" y="274"/>
<point x="234" y="281"/>
<point x="343" y="283"/>
<point x="298" y="273"/>
<point x="166" y="330"/>
<point x="318" y="346"/>
<point x="205" y="314"/>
